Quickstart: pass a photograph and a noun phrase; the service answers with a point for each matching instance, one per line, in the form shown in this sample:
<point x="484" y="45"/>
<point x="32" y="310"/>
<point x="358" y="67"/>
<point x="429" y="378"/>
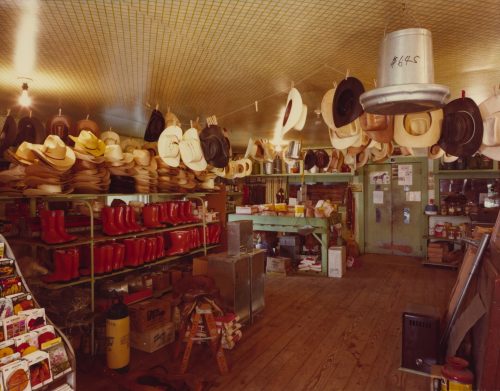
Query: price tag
<point x="404" y="61"/>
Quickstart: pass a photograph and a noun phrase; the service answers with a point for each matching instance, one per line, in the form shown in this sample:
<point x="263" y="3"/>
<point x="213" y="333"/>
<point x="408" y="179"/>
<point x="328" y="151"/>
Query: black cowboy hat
<point x="8" y="132"/>
<point x="215" y="146"/>
<point x="322" y="159"/>
<point x="155" y="126"/>
<point x="462" y="129"/>
<point x="346" y="106"/>
<point x="309" y="160"/>
<point x="30" y="129"/>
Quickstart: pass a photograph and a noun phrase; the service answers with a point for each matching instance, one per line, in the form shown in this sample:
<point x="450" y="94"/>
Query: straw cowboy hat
<point x="110" y="138"/>
<point x="115" y="156"/>
<point x="191" y="152"/>
<point x="87" y="142"/>
<point x="24" y="154"/>
<point x="168" y="146"/>
<point x="55" y="153"/>
<point x="142" y="157"/>
<point x="462" y="131"/>
<point x="418" y="129"/>
<point x="351" y="135"/>
<point x="378" y="127"/>
<point x="346" y="106"/>
<point x="380" y="151"/>
<point x="490" y="111"/>
<point x="293" y="111"/>
<point x="130" y="144"/>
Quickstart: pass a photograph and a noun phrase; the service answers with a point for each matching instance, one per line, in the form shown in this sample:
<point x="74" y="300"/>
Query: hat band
<point x="50" y="155"/>
<point x="474" y="122"/>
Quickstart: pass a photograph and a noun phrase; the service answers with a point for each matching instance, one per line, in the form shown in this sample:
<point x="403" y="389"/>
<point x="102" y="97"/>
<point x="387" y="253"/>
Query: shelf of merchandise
<point x="94" y="238"/>
<point x="70" y="373"/>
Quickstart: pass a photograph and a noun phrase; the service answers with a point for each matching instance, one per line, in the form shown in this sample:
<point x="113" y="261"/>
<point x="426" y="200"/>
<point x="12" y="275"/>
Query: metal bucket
<point x="277" y="165"/>
<point x="293" y="150"/>
<point x="268" y="168"/>
<point x="406" y="58"/>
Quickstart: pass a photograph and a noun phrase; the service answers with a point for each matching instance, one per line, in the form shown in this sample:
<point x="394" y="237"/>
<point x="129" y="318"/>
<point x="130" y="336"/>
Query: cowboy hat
<point x="462" y="130"/>
<point x="30" y="129"/>
<point x="378" y="127"/>
<point x="362" y="158"/>
<point x="55" y="153"/>
<point x="321" y="159"/>
<point x="115" y="156"/>
<point x="47" y="189"/>
<point x="87" y="142"/>
<point x="83" y="157"/>
<point x="155" y="126"/>
<point x="380" y="151"/>
<point x="9" y="132"/>
<point x="309" y="160"/>
<point x="214" y="146"/>
<point x="420" y="129"/>
<point x="110" y="138"/>
<point x="435" y="152"/>
<point x="302" y="120"/>
<point x="59" y="125"/>
<point x="351" y="135"/>
<point x="142" y="157"/>
<point x="171" y="119"/>
<point x="293" y="111"/>
<point x="23" y="154"/>
<point x="191" y="152"/>
<point x="449" y="158"/>
<point x="346" y="107"/>
<point x="129" y="144"/>
<point x="87" y="124"/>
<point x="168" y="146"/>
<point x="490" y="111"/>
<point x="327" y="108"/>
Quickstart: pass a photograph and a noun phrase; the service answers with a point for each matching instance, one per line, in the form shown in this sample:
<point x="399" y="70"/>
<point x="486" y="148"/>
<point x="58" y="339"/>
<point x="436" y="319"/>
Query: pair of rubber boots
<point x="177" y="212"/>
<point x="119" y="220"/>
<point x="109" y="258"/>
<point x="66" y="266"/>
<point x="213" y="232"/>
<point x="143" y="250"/>
<point x="53" y="229"/>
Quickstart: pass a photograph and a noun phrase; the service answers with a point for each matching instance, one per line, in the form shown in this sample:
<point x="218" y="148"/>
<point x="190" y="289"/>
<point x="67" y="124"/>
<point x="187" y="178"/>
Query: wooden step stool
<point x="204" y="312"/>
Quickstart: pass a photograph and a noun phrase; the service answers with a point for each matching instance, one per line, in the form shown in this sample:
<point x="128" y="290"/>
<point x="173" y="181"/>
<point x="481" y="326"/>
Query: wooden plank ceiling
<point x="110" y="59"/>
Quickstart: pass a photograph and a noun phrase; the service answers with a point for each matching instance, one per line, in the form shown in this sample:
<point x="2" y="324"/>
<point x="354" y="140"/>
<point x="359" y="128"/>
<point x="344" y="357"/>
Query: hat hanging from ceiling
<point x="380" y="151"/>
<point x="293" y="111"/>
<point x="420" y="129"/>
<point x="191" y="152"/>
<point x="8" y="132"/>
<point x="254" y="150"/>
<point x="171" y="119"/>
<point x="168" y="145"/>
<point x="362" y="158"/>
<point x="321" y="158"/>
<point x="327" y="107"/>
<point x="110" y="138"/>
<point x="87" y="142"/>
<point x="214" y="146"/>
<point x="406" y="81"/>
<point x="490" y="111"/>
<point x="346" y="106"/>
<point x="59" y="125"/>
<point x="30" y="129"/>
<point x="226" y="136"/>
<point x="449" y="158"/>
<point x="435" y="152"/>
<point x="155" y="126"/>
<point x="302" y="120"/>
<point x="378" y="127"/>
<point x="55" y="153"/>
<point x="309" y="159"/>
<point x="346" y="136"/>
<point x="462" y="130"/>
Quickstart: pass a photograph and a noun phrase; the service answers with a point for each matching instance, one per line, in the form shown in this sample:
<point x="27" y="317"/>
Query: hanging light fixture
<point x="24" y="99"/>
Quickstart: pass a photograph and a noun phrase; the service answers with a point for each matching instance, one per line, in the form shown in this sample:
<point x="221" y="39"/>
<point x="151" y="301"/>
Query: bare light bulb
<point x="24" y="99"/>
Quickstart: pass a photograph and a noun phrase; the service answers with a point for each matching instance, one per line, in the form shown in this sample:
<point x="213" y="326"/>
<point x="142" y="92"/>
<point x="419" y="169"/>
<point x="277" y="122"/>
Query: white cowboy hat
<point x="55" y="153"/>
<point x="115" y="156"/>
<point x="490" y="111"/>
<point x="302" y="121"/>
<point x="168" y="146"/>
<point x="191" y="152"/>
<point x="293" y="111"/>
<point x="352" y="135"/>
<point x="421" y="129"/>
<point x="109" y="137"/>
<point x="327" y="108"/>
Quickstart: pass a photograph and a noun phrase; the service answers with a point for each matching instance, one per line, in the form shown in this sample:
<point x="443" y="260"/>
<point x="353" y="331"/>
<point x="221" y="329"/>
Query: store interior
<point x="249" y="195"/>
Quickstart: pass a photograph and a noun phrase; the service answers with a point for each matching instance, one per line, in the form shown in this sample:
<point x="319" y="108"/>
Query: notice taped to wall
<point x="413" y="196"/>
<point x="405" y="175"/>
<point x="378" y="197"/>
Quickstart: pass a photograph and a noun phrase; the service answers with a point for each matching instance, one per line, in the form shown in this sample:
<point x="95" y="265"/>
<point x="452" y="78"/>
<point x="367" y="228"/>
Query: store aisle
<point x="320" y="333"/>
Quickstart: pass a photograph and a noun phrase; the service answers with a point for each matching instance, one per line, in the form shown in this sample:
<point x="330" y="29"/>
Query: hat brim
<point x="292" y="112"/>
<point x="429" y="138"/>
<point x="346" y="142"/>
<point x="491" y="152"/>
<point x="302" y="120"/>
<point x="61" y="164"/>
<point x="96" y="152"/>
<point x="383" y="135"/>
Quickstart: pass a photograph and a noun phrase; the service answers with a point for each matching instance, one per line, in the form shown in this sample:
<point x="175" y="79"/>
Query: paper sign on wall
<point x="378" y="197"/>
<point x="413" y="196"/>
<point x="380" y="178"/>
<point x="405" y="174"/>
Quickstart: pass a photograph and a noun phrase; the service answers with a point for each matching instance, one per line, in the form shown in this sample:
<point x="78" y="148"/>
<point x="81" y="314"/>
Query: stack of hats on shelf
<point x="121" y="165"/>
<point x="146" y="175"/>
<point x="90" y="174"/>
<point x="12" y="181"/>
<point x="49" y="173"/>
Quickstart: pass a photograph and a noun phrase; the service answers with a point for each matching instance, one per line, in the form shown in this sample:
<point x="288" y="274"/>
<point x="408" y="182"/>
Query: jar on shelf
<point x="444" y="208"/>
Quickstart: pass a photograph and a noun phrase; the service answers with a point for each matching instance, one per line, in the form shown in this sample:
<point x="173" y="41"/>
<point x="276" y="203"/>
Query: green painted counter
<point x="292" y="224"/>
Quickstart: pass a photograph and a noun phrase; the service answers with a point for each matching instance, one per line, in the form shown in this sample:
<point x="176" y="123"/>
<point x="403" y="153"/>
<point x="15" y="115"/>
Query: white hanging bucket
<point x="405" y="75"/>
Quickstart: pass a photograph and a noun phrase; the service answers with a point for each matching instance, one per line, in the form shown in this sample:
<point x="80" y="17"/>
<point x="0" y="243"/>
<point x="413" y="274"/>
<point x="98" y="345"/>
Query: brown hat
<point x="378" y="127"/>
<point x="309" y="159"/>
<point x="462" y="131"/>
<point x="30" y="129"/>
<point x="215" y="147"/>
<point x="60" y="126"/>
<point x="8" y="132"/>
<point x="346" y="106"/>
<point x="321" y="158"/>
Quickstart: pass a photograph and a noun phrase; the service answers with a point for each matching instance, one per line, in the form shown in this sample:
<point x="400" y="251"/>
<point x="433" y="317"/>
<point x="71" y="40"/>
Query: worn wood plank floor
<point x="318" y="333"/>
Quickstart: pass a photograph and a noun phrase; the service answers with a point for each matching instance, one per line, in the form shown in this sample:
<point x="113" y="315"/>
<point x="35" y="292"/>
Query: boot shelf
<point x="100" y="237"/>
<point x="56" y="197"/>
<point x="85" y="280"/>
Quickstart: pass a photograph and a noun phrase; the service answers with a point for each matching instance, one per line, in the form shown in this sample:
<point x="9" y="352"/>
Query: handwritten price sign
<point x="403" y="61"/>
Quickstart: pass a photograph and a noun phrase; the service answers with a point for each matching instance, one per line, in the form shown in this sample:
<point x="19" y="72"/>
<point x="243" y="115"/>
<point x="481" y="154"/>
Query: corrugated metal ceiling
<point x="204" y="57"/>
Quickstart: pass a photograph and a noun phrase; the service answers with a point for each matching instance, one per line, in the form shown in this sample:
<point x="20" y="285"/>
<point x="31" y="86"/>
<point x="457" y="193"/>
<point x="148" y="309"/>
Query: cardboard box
<point x="337" y="265"/>
<point x="279" y="265"/>
<point x="200" y="266"/>
<point x="154" y="339"/>
<point x="149" y="314"/>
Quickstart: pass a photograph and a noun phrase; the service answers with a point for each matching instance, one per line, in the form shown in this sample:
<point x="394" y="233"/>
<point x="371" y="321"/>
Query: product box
<point x="337" y="265"/>
<point x="59" y="361"/>
<point x="13" y="326"/>
<point x="26" y="341"/>
<point x="34" y="318"/>
<point x="39" y="369"/>
<point x="200" y="266"/>
<point x="149" y="314"/>
<point x="7" y="348"/>
<point x="16" y="376"/>
<point x="279" y="265"/>
<point x="154" y="339"/>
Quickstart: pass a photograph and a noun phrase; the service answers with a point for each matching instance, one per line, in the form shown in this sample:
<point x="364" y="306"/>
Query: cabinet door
<point x="378" y="213"/>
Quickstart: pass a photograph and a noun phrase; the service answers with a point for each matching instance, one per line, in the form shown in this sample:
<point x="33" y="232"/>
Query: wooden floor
<point x="319" y="333"/>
